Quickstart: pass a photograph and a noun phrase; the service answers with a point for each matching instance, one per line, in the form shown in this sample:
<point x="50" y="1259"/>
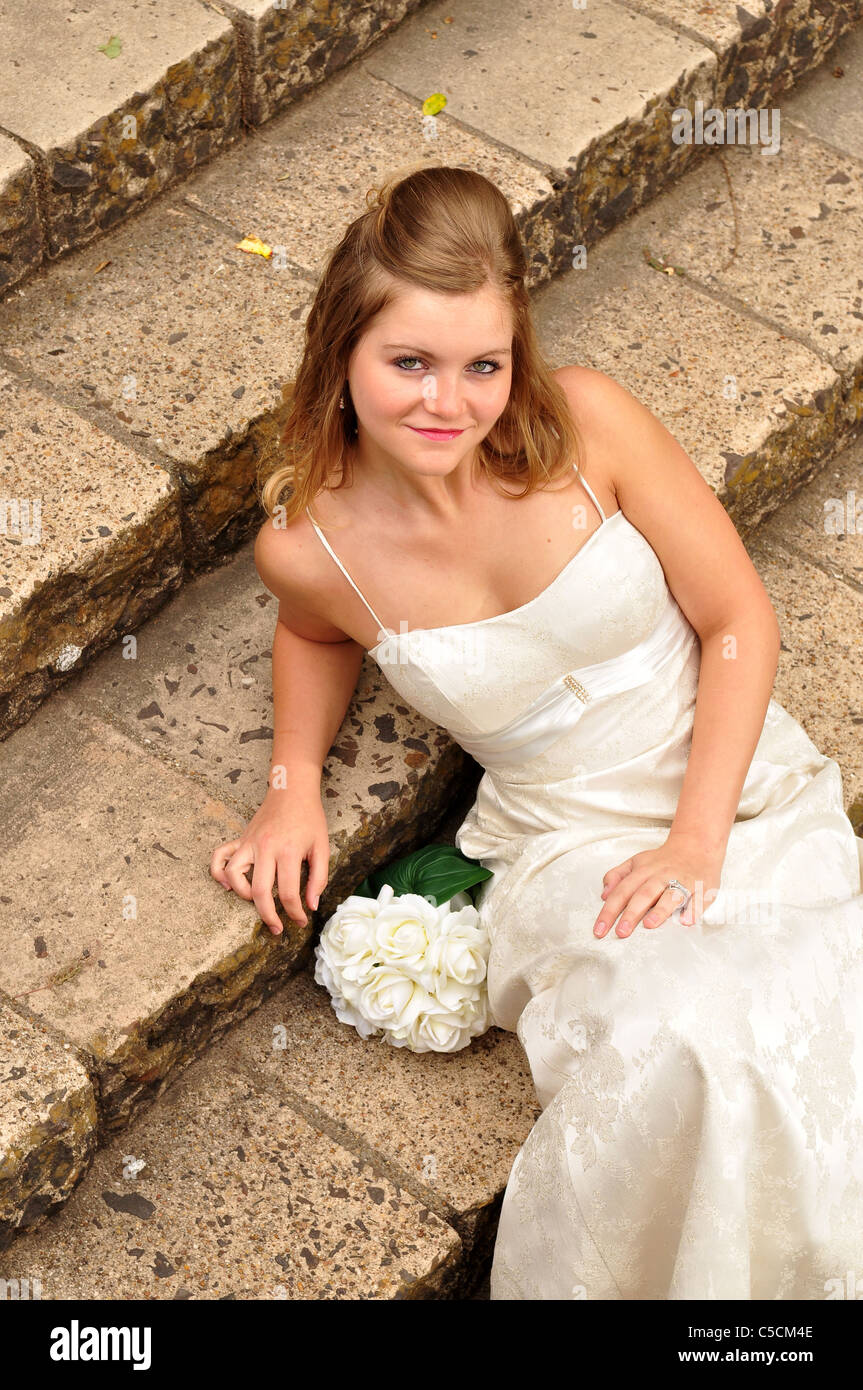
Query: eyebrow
<point x="423" y="352"/>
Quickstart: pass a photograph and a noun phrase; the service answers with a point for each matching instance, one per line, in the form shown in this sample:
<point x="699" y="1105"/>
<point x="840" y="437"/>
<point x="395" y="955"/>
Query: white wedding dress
<point x="702" y="1087"/>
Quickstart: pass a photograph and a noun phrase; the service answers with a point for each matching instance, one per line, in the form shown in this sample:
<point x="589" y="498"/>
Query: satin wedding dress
<point x="701" y="1135"/>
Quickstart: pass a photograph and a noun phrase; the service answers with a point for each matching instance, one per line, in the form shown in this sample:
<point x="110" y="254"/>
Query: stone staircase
<point x="143" y="377"/>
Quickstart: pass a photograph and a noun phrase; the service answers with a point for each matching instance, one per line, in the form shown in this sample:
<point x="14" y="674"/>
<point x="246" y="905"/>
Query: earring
<point x="341" y="401"/>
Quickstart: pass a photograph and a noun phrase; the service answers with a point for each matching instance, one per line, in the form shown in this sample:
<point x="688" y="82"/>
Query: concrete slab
<point x="178" y="343"/>
<point x="115" y="105"/>
<point x="90" y="544"/>
<point x="719" y="23"/>
<point x="285" y="49"/>
<point x="111" y="929"/>
<point x="768" y="45"/>
<point x="820" y="675"/>
<point x="449" y="1125"/>
<point x="20" y="230"/>
<point x="226" y="1192"/>
<point x="546" y="80"/>
<point x="784" y="242"/>
<point x="48" y="1123"/>
<point x="823" y="524"/>
<point x="300" y="182"/>
<point x="827" y="101"/>
<point x="725" y="385"/>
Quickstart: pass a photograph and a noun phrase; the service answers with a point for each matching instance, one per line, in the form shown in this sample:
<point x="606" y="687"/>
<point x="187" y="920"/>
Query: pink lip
<point x="436" y="434"/>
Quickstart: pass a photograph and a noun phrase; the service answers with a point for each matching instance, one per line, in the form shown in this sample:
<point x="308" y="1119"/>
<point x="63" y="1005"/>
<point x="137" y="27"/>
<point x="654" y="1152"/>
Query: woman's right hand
<point x="285" y="830"/>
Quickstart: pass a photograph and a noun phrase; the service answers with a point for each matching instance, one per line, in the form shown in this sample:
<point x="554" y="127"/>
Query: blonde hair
<point x="443" y="228"/>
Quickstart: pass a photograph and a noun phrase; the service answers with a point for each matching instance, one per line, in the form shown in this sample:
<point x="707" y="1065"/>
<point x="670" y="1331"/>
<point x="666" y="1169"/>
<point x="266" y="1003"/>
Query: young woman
<point x="675" y="909"/>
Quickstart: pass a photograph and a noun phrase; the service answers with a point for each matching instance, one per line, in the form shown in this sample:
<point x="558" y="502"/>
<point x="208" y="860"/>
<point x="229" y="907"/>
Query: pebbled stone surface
<point x="226" y="1192"/>
<point x="596" y="114"/>
<point x="451" y="1124"/>
<point x="286" y="50"/>
<point x="180" y="347"/>
<point x="111" y="930"/>
<point x="110" y="132"/>
<point x="90" y="544"/>
<point x="820" y="675"/>
<point x="306" y="176"/>
<point x="48" y="1122"/>
<point x="21" y="242"/>
<point x="785" y="244"/>
<point x="754" y="410"/>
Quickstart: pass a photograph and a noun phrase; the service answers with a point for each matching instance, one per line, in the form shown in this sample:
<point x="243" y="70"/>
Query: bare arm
<point x="312" y="687"/>
<point x="314" y="678"/>
<point x="735" y="682"/>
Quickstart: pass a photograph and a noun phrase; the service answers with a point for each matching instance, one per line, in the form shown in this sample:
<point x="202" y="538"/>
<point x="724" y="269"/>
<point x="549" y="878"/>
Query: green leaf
<point x="437" y="871"/>
<point x="112" y="48"/>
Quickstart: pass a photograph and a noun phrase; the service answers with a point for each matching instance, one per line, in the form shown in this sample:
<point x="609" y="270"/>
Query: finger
<point x="616" y="901"/>
<point x="687" y="916"/>
<point x="221" y="855"/>
<point x="668" y="902"/>
<point x="613" y="877"/>
<point x="319" y="868"/>
<point x="289" y="868"/>
<point x="639" y="903"/>
<point x="263" y="875"/>
<point x="235" y="871"/>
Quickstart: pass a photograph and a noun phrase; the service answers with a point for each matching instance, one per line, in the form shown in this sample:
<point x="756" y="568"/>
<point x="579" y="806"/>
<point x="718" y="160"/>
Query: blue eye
<point x="482" y="361"/>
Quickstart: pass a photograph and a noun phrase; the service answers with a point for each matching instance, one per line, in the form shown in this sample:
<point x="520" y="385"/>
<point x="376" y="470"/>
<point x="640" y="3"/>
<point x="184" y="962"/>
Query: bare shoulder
<point x="288" y="562"/>
<point x="592" y="398"/>
<point x="662" y="493"/>
<point x="589" y="403"/>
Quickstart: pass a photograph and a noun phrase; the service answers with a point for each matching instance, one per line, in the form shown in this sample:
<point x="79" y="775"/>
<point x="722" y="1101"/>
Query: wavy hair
<point x="442" y="228"/>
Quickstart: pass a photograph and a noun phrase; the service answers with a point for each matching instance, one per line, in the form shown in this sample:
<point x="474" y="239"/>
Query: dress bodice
<point x="472" y="677"/>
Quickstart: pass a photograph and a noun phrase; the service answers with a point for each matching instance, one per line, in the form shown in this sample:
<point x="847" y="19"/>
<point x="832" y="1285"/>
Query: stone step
<point x="115" y="937"/>
<point x="107" y="789"/>
<point x="293" y="1160"/>
<point x="810" y="558"/>
<point x="148" y="103"/>
<point x="161" y="350"/>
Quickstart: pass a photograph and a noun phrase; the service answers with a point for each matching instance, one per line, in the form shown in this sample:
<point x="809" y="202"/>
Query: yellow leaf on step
<point x="255" y="246"/>
<point x="436" y="102"/>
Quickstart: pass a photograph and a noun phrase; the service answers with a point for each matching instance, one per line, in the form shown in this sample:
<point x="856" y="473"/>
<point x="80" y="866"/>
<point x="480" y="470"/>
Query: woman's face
<point x="431" y="362"/>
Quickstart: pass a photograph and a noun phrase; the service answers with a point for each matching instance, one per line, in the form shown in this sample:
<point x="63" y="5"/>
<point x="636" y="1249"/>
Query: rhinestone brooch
<point x="577" y="688"/>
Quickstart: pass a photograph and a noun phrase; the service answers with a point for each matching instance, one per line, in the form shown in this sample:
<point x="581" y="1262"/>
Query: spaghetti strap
<point x="381" y="626"/>
<point x="586" y="485"/>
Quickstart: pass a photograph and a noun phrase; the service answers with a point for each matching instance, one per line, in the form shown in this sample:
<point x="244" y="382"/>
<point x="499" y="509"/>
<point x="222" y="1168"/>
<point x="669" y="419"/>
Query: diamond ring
<point x="675" y="883"/>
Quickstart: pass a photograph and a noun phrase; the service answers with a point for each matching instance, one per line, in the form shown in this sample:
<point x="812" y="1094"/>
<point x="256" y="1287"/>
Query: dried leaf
<point x="254" y="246"/>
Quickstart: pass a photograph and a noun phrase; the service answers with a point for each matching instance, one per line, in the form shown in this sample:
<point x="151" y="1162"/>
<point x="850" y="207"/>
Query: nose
<point x="444" y="396"/>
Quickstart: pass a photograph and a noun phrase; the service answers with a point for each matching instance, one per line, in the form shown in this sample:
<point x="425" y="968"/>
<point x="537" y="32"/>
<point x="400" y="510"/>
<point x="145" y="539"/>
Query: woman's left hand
<point x="637" y="887"/>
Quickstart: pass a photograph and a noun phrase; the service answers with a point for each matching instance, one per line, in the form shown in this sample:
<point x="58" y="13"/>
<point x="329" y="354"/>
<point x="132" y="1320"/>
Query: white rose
<point x="442" y="1030"/>
<point x="401" y="966"/>
<point x="461" y="948"/>
<point x="347" y="940"/>
<point x="344" y="1010"/>
<point x="390" y="997"/>
<point x="404" y="928"/>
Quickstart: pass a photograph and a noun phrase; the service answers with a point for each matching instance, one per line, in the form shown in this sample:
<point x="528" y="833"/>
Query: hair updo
<point x="442" y="228"/>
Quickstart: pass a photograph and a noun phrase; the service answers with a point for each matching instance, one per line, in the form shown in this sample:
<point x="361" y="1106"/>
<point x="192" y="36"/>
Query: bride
<point x="675" y="907"/>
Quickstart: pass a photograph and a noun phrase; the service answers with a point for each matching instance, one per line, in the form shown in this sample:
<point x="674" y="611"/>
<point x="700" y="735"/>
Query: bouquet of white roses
<point x="404" y="957"/>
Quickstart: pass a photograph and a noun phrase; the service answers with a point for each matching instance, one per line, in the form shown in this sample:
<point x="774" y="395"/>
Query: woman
<point x="675" y="908"/>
